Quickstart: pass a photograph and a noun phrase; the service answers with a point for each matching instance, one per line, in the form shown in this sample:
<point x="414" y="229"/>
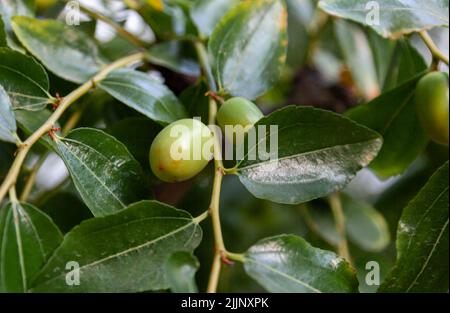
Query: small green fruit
<point x="238" y="111"/>
<point x="432" y="106"/>
<point x="181" y="150"/>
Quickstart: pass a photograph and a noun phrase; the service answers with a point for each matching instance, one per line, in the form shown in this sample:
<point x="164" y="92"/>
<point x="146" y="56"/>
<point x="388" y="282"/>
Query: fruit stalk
<point x="214" y="208"/>
<point x="437" y="54"/>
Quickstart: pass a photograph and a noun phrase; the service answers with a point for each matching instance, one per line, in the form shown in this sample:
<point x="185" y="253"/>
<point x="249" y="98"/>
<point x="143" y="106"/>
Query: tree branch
<point x="23" y="150"/>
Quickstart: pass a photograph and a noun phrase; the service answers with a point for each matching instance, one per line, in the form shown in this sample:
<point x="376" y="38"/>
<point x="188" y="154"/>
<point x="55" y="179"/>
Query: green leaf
<point x="207" y="13"/>
<point x="249" y="47"/>
<point x="288" y="263"/>
<point x="393" y="115"/>
<point x="422" y="241"/>
<point x="65" y="209"/>
<point x="105" y="174"/>
<point x="391" y="18"/>
<point x="137" y="134"/>
<point x="319" y="152"/>
<point x="68" y="53"/>
<point x="27" y="239"/>
<point x="406" y="62"/>
<point x="9" y="8"/>
<point x="395" y="61"/>
<point x="195" y="101"/>
<point x="25" y="80"/>
<point x="145" y="94"/>
<point x="180" y="272"/>
<point x="166" y="18"/>
<point x="300" y="15"/>
<point x="170" y="55"/>
<point x="123" y="252"/>
<point x="8" y="125"/>
<point x="3" y="42"/>
<point x="364" y="225"/>
<point x="358" y="56"/>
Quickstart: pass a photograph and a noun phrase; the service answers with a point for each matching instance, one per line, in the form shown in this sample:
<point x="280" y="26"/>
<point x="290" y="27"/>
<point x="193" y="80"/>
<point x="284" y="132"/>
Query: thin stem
<point x="215" y="274"/>
<point x="206" y="67"/>
<point x="117" y="27"/>
<point x="214" y="209"/>
<point x="14" y="171"/>
<point x="312" y="225"/>
<point x="435" y="52"/>
<point x="12" y="194"/>
<point x="32" y="178"/>
<point x="339" y="217"/>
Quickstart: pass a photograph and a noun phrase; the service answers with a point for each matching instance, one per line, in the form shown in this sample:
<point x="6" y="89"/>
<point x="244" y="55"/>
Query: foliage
<point x="336" y="80"/>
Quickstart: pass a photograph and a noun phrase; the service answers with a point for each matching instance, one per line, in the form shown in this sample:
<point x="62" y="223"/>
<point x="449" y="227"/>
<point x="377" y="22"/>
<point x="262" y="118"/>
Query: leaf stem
<point x="339" y="217"/>
<point x="117" y="27"/>
<point x="435" y="52"/>
<point x="23" y="150"/>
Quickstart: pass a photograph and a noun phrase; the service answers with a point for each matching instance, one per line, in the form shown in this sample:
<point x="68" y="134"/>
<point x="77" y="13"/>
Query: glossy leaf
<point x="319" y="152"/>
<point x="123" y="252"/>
<point x="68" y="53"/>
<point x="105" y="174"/>
<point x="25" y="80"/>
<point x="358" y="57"/>
<point x="180" y="272"/>
<point x="207" y="13"/>
<point x="422" y="241"/>
<point x="170" y="54"/>
<point x="393" y="115"/>
<point x="145" y="94"/>
<point x="391" y="18"/>
<point x="27" y="239"/>
<point x="249" y="47"/>
<point x="8" y="125"/>
<point x="288" y="263"/>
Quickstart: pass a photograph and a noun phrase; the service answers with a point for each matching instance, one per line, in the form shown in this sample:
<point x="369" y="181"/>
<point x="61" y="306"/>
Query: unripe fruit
<point x="181" y="150"/>
<point x="432" y="106"/>
<point x="238" y="111"/>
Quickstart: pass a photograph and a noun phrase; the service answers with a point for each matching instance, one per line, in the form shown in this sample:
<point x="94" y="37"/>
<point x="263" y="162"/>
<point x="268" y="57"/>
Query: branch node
<point x="225" y="260"/>
<point x="58" y="101"/>
<point x="52" y="132"/>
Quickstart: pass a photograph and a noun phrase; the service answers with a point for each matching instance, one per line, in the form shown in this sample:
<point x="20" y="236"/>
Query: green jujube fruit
<point x="181" y="150"/>
<point x="432" y="106"/>
<point x="238" y="111"/>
